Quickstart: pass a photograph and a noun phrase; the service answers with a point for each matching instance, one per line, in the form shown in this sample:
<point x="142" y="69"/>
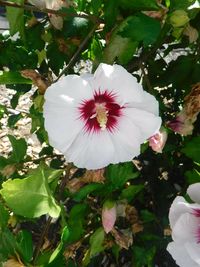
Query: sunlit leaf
<point x="30" y="197"/>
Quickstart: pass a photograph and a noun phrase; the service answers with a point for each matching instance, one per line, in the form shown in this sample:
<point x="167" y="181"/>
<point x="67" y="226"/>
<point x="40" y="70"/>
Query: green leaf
<point x="15" y="17"/>
<point x="4" y="216"/>
<point x="8" y="244"/>
<point x="30" y="197"/>
<point x="142" y="28"/>
<point x="19" y="147"/>
<point x="183" y="4"/>
<point x="143" y="256"/>
<point x="131" y="191"/>
<point x="13" y="119"/>
<point x="58" y="250"/>
<point x="75" y="222"/>
<point x="96" y="242"/>
<point x="86" y="190"/>
<point x="117" y="175"/>
<point x="25" y="242"/>
<point x="192" y="149"/>
<point x="192" y="176"/>
<point x="13" y="77"/>
<point x="77" y="213"/>
<point x="139" y="4"/>
<point x="118" y="47"/>
<point x="111" y="12"/>
<point x="147" y="216"/>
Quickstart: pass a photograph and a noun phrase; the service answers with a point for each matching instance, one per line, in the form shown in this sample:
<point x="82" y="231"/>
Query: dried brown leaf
<point x="124" y="240"/>
<point x="38" y="80"/>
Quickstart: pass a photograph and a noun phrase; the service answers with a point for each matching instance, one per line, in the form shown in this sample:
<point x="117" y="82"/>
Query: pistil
<point x="101" y="115"/>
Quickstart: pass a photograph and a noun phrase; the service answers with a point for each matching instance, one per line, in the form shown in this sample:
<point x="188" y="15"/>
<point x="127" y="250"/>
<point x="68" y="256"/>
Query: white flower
<point x="95" y="120"/>
<point x="185" y="224"/>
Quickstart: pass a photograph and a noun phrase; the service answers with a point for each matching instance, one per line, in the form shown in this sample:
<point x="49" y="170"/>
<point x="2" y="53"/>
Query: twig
<point x="73" y="59"/>
<point x="51" y="11"/>
<point x="64" y="181"/>
<point x="40" y="243"/>
<point x="146" y="78"/>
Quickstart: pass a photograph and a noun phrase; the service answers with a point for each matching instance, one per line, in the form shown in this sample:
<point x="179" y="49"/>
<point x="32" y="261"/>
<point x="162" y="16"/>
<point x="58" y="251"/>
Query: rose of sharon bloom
<point x="109" y="215"/>
<point x="185" y="224"/>
<point x="158" y="140"/>
<point x="95" y="120"/>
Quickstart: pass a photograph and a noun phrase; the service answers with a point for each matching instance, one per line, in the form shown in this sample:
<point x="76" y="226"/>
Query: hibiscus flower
<point x="185" y="224"/>
<point x="95" y="120"/>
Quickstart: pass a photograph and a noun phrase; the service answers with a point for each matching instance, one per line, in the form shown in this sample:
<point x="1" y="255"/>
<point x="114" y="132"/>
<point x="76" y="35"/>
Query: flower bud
<point x="109" y="215"/>
<point x="157" y="141"/>
<point x="178" y="18"/>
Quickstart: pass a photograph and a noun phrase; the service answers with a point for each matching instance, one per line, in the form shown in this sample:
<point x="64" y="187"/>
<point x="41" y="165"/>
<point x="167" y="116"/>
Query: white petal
<point x="194" y="192"/>
<point x="91" y="150"/>
<point x="126" y="139"/>
<point x="178" y="207"/>
<point x="62" y="125"/>
<point x="186" y="228"/>
<point x="149" y="103"/>
<point x="147" y="122"/>
<point x="180" y="255"/>
<point x="61" y="110"/>
<point x="118" y="80"/>
<point x="193" y="250"/>
<point x="72" y="88"/>
<point x="97" y="150"/>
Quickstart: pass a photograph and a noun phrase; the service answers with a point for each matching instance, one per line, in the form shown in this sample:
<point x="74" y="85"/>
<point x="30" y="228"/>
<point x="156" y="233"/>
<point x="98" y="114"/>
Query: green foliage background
<point x="42" y="221"/>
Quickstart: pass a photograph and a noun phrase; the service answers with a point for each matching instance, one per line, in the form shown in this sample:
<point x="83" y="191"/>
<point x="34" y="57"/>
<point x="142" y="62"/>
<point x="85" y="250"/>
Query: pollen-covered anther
<point x="101" y="115"/>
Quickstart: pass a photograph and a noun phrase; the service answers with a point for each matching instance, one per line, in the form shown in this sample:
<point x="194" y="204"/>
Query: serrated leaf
<point x="86" y="190"/>
<point x="30" y="197"/>
<point x="119" y="174"/>
<point x="15" y="17"/>
<point x="96" y="242"/>
<point x="192" y="149"/>
<point x="13" y="77"/>
<point x="131" y="191"/>
<point x="142" y="28"/>
<point x="19" y="147"/>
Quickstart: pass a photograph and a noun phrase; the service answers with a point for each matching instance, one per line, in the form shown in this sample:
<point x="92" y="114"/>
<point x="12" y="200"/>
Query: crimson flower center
<point x="100" y="113"/>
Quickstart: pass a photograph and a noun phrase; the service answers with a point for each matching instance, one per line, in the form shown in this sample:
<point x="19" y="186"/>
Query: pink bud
<point x="109" y="215"/>
<point x="157" y="141"/>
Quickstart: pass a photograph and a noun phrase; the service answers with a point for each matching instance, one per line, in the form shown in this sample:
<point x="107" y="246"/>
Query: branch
<point x="51" y="11"/>
<point x="73" y="59"/>
<point x="146" y="78"/>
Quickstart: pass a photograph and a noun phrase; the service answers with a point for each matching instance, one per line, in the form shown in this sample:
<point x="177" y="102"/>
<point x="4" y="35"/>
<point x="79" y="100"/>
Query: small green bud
<point x="178" y="18"/>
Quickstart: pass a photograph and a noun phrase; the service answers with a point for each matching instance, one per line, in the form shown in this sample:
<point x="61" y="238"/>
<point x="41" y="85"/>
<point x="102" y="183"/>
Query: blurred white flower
<point x="95" y="120"/>
<point x="185" y="224"/>
<point x="57" y="21"/>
